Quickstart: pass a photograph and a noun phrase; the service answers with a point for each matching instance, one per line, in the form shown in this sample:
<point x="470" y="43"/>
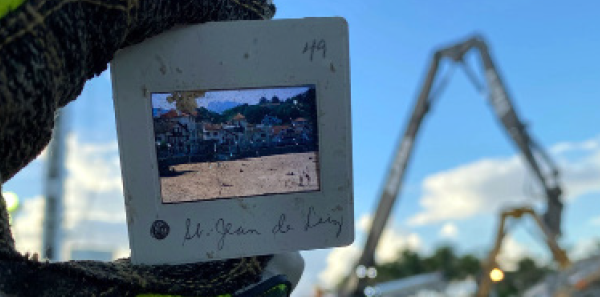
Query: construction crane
<point x="560" y="256"/>
<point x="538" y="160"/>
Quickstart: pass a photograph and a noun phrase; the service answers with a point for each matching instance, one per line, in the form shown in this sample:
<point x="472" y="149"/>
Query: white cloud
<point x="595" y="221"/>
<point x="121" y="253"/>
<point x="339" y="263"/>
<point x="587" y="145"/>
<point x="584" y="249"/>
<point x="364" y="223"/>
<point x="94" y="212"/>
<point x="581" y="176"/>
<point x="93" y="189"/>
<point x="392" y="240"/>
<point x="511" y="252"/>
<point x="470" y="189"/>
<point x="487" y="185"/>
<point x="27" y="225"/>
<point x="341" y="260"/>
<point x="449" y="230"/>
<point x="94" y="207"/>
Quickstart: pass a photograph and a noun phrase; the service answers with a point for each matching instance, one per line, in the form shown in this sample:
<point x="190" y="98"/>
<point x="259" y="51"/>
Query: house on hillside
<point x="299" y="122"/>
<point x="300" y="132"/>
<point x="212" y="132"/>
<point x="239" y="120"/>
<point x="283" y="135"/>
<point x="258" y="135"/>
<point x="303" y="130"/>
<point x="178" y="130"/>
<point x="230" y="137"/>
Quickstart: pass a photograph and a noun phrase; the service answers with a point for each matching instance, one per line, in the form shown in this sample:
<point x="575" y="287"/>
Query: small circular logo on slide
<point x="160" y="229"/>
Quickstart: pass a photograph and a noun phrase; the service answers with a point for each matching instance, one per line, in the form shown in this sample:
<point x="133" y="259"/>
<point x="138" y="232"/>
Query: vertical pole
<point x="54" y="190"/>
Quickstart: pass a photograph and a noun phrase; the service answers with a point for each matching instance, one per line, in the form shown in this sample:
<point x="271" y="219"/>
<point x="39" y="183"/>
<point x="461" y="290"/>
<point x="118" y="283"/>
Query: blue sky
<point x="463" y="169"/>
<point x="547" y="56"/>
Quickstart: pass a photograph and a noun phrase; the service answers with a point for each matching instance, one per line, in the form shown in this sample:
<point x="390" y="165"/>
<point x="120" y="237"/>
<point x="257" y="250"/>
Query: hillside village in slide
<point x="269" y="146"/>
<point x="181" y="134"/>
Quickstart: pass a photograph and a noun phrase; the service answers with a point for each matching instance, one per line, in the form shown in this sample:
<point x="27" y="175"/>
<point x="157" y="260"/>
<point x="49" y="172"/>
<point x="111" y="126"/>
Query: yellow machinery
<point x="540" y="163"/>
<point x="560" y="256"/>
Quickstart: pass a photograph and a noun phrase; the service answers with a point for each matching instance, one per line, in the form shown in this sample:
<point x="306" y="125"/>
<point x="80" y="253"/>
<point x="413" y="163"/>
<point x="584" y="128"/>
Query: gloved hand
<point x="48" y="49"/>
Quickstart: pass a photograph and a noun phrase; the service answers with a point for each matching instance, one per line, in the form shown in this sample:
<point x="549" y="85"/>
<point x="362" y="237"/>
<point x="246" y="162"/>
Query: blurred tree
<point x="300" y="106"/>
<point x="412" y="262"/>
<point x="467" y="265"/>
<point x="528" y="273"/>
<point x="205" y="115"/>
<point x="443" y="259"/>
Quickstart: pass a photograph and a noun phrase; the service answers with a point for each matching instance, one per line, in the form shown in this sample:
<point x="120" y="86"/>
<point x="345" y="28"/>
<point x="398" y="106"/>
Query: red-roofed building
<point x="212" y="132"/>
<point x="239" y="120"/>
<point x="277" y="130"/>
<point x="299" y="121"/>
<point x="170" y="114"/>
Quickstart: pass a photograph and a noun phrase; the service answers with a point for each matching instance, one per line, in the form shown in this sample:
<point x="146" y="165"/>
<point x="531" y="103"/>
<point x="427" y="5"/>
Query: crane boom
<point x="560" y="256"/>
<point x="507" y="115"/>
<point x="531" y="151"/>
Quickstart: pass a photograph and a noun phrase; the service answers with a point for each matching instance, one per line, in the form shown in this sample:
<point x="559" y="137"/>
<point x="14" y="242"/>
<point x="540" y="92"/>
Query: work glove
<point x="48" y="49"/>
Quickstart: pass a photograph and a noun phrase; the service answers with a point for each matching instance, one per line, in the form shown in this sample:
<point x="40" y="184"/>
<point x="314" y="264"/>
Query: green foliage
<point x="456" y="267"/>
<point x="517" y="282"/>
<point x="302" y="105"/>
<point x="409" y="263"/>
<point x="468" y="265"/>
<point x="207" y="115"/>
<point x="253" y="113"/>
<point x="444" y="259"/>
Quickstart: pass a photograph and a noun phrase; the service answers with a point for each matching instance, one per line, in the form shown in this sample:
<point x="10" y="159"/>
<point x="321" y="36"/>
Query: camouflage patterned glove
<point x="48" y="49"/>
